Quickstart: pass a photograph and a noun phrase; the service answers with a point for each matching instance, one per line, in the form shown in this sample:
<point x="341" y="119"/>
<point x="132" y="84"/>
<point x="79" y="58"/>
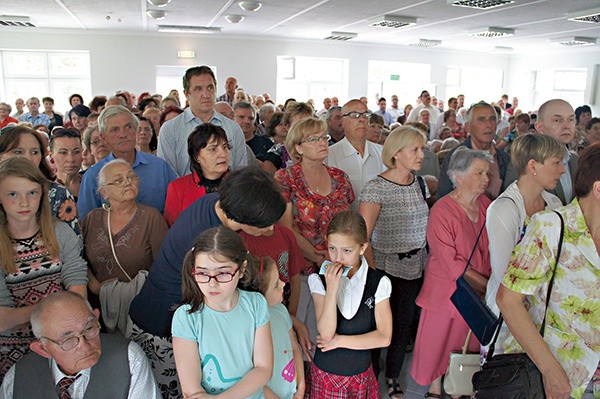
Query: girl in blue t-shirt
<point x="221" y="334"/>
<point x="353" y="314"/>
<point x="288" y="369"/>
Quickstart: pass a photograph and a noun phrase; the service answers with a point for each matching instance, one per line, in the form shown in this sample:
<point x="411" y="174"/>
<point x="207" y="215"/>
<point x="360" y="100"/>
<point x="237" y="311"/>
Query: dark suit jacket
<point x="559" y="190"/>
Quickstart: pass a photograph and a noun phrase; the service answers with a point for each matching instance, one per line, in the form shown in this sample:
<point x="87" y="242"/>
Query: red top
<point x="181" y="193"/>
<point x="7" y="120"/>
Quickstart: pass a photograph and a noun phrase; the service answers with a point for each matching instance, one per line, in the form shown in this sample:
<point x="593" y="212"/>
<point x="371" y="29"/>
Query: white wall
<point x="126" y="61"/>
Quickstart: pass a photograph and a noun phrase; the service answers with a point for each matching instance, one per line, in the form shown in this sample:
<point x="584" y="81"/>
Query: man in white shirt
<point x="71" y="359"/>
<point x="359" y="158"/>
<point x="199" y="88"/>
<point x="326" y="105"/>
<point x="425" y="98"/>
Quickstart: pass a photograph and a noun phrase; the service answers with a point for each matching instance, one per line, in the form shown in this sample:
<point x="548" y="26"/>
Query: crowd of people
<point x="229" y="246"/>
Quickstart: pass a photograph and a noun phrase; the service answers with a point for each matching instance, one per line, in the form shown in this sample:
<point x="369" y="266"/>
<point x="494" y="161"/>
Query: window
<point x="58" y="74"/>
<point x="476" y="83"/>
<point x="311" y="77"/>
<point x="568" y="84"/>
<point x="404" y="79"/>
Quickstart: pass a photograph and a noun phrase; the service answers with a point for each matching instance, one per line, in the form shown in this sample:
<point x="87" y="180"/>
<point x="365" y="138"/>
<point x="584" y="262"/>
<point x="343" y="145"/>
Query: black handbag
<point x="514" y="375"/>
<point x="478" y="316"/>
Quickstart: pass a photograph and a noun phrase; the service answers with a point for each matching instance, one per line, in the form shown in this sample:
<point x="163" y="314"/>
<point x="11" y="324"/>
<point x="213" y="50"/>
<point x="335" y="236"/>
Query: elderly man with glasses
<point x="359" y="158"/>
<point x="71" y="359"/>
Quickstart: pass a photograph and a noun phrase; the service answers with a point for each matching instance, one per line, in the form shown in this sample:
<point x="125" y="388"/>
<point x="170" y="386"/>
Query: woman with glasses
<point x="122" y="237"/>
<point x="5" y="118"/>
<point x="40" y="255"/>
<point x="22" y="141"/>
<point x="314" y="193"/>
<point x="145" y="139"/>
<point x="95" y="143"/>
<point x="67" y="152"/>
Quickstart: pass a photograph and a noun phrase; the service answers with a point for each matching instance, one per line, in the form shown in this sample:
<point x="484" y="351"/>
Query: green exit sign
<point x="394" y="77"/>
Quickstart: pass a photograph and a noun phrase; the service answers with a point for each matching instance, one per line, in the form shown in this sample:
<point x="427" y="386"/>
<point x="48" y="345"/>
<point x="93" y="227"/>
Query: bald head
<point x="224" y="109"/>
<point x="557" y="119"/>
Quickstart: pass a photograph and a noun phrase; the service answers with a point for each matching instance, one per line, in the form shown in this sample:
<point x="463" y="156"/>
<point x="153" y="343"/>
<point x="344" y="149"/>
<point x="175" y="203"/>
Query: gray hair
<point x="331" y="110"/>
<point x="112" y="111"/>
<point x="243" y="105"/>
<point x="102" y="174"/>
<point x="264" y="108"/>
<point x="461" y="161"/>
<point x="450" y="143"/>
<point x="55" y="299"/>
<point x="469" y="117"/>
<point x="119" y="98"/>
<point x="87" y="134"/>
<point x="7" y="106"/>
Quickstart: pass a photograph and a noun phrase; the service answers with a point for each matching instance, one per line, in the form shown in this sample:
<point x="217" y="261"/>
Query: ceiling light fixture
<point x="250" y="5"/>
<point x="159" y="3"/>
<point x="156" y="14"/>
<point x="574" y="41"/>
<point x="16" y="20"/>
<point x="589" y="16"/>
<point x="502" y="50"/>
<point x="494" y="32"/>
<point x="394" y="22"/>
<point x="188" y="29"/>
<point x="341" y="36"/>
<point x="479" y="4"/>
<point x="426" y="43"/>
<point x="234" y="18"/>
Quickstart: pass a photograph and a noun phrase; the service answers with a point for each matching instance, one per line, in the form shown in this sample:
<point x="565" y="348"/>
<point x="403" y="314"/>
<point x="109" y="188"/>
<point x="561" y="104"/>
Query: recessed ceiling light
<point x="234" y="18"/>
<point x="426" y="43"/>
<point x="250" y="5"/>
<point x="493" y="32"/>
<point x="341" y="36"/>
<point x="394" y="22"/>
<point x="589" y="16"/>
<point x="188" y="29"/>
<point x="479" y="4"/>
<point x="156" y="14"/>
<point x="574" y="41"/>
<point x="502" y="50"/>
<point x="159" y="3"/>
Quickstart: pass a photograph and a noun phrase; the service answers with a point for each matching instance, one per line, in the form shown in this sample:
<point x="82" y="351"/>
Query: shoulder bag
<point x="461" y="368"/>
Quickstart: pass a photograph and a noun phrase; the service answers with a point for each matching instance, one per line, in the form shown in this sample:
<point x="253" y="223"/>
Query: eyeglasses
<point x="223" y="277"/>
<point x="357" y="115"/>
<point x="123" y="181"/>
<point x="316" y="139"/>
<point x="71" y="343"/>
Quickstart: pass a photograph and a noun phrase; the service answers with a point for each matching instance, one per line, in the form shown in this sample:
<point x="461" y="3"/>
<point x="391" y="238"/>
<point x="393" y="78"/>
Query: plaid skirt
<point x="324" y="385"/>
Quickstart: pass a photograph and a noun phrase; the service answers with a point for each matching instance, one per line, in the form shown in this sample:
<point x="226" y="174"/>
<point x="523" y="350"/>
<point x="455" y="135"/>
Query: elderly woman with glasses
<point x="122" y="237"/>
<point x="67" y="151"/>
<point x="5" y="118"/>
<point x="314" y="193"/>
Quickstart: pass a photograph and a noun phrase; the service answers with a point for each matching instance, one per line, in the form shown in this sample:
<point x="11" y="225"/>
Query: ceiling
<point x="535" y="22"/>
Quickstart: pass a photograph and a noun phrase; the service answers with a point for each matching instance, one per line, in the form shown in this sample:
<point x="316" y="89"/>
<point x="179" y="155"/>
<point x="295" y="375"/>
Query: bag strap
<point x="112" y="245"/>
<point x="548" y="293"/>
<point x="422" y="186"/>
<point x="466" y="346"/>
<point x="474" y="248"/>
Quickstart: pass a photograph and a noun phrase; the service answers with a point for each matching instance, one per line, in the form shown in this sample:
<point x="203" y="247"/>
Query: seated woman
<point x="67" y="152"/>
<point x="22" y="141"/>
<point x="40" y="255"/>
<point x="169" y="113"/>
<point x="568" y="354"/>
<point x="538" y="160"/>
<point x="456" y="129"/>
<point x="95" y="143"/>
<point x="123" y="237"/>
<point x="453" y="230"/>
<point x="209" y="153"/>
<point x="278" y="156"/>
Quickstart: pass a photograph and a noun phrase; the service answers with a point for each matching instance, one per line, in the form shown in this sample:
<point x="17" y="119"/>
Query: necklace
<point x="316" y="186"/>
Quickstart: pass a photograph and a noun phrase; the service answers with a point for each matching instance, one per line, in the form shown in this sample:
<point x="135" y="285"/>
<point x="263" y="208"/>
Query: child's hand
<point x="198" y="395"/>
<point x="333" y="276"/>
<point x="331" y="344"/>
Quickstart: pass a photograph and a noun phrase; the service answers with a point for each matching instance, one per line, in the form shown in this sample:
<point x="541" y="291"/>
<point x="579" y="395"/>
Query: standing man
<point x="461" y="101"/>
<point x="230" y="87"/>
<point x="359" y="158"/>
<point x="481" y="124"/>
<point x="335" y="102"/>
<point x="55" y="119"/>
<point x="199" y="86"/>
<point x="244" y="116"/>
<point x="557" y="119"/>
<point x="334" y="124"/>
<point x="71" y="359"/>
<point x="387" y="118"/>
<point x="426" y="103"/>
<point x="395" y="111"/>
<point x="326" y="105"/>
<point x="34" y="116"/>
<point x="118" y="127"/>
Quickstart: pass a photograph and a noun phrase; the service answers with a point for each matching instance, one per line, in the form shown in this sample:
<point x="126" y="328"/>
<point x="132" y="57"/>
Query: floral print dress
<point x="573" y="321"/>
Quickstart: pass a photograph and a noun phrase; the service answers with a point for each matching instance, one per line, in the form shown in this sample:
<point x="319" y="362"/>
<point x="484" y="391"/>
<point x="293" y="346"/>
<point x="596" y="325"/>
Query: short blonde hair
<point x="300" y="131"/>
<point x="399" y="139"/>
<point x="538" y="147"/>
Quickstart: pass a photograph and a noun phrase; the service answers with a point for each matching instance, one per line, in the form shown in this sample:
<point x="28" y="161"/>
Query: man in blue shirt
<point x="118" y="127"/>
<point x="34" y="116"/>
<point x="199" y="86"/>
<point x="387" y="118"/>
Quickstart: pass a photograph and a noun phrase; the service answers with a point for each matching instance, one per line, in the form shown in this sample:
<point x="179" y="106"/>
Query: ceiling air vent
<point x="341" y="36"/>
<point x="188" y="29"/>
<point x="394" y="22"/>
<point x="426" y="43"/>
<point x="479" y="4"/>
<point x="493" y="32"/>
<point x="575" y="41"/>
<point x="589" y="16"/>
<point x="16" y="21"/>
